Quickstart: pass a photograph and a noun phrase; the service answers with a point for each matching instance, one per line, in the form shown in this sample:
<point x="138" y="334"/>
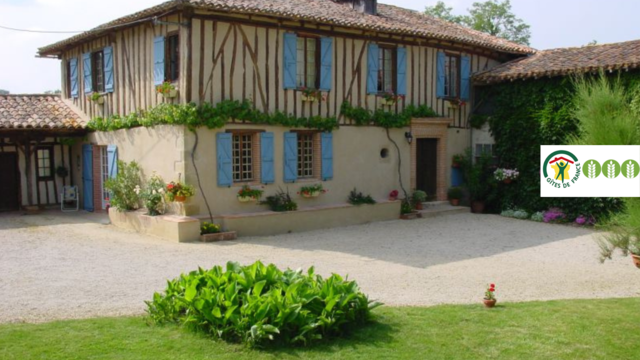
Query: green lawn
<point x="576" y="329"/>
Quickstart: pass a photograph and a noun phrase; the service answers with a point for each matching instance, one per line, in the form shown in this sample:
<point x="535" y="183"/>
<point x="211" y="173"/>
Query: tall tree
<point x="493" y="17"/>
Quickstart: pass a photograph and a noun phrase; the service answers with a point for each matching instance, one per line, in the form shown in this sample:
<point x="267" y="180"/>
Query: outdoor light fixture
<point x="408" y="136"/>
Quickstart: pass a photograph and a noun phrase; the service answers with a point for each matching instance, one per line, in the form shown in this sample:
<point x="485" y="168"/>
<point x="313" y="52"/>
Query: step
<point x="441" y="208"/>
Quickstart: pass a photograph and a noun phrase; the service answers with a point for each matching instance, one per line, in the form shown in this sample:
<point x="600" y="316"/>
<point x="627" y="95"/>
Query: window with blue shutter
<point x="326" y="55"/>
<point x="112" y="161"/>
<point x="402" y="71"/>
<point x="290" y="157"/>
<point x="267" y="173"/>
<point x="158" y="60"/>
<point x="327" y="155"/>
<point x="86" y="73"/>
<point x="224" y="160"/>
<point x="108" y="69"/>
<point x="372" y="69"/>
<point x="73" y="78"/>
<point x="290" y="60"/>
<point x="441" y="74"/>
<point x="465" y="77"/>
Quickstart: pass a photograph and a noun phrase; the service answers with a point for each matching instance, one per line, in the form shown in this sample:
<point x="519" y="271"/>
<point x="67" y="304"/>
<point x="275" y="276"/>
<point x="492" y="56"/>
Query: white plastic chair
<point x="69" y="195"/>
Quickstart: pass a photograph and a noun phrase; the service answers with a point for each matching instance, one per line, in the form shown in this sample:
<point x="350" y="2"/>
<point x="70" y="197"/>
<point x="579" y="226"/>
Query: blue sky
<point x="554" y="23"/>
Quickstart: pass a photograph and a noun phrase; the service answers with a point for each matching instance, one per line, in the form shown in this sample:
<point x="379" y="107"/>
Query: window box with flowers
<point x="96" y="98"/>
<point x="167" y="89"/>
<point x="506" y="175"/>
<point x="210" y="232"/>
<point x="390" y="98"/>
<point x="312" y="191"/>
<point x="247" y="194"/>
<point x="312" y="95"/>
<point x="179" y="192"/>
<point x="455" y="103"/>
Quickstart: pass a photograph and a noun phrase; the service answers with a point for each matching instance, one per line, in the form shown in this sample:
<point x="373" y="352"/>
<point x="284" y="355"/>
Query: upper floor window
<point x="452" y="76"/>
<point x="97" y="71"/>
<point x="308" y="53"/>
<point x="172" y="54"/>
<point x="386" y="69"/>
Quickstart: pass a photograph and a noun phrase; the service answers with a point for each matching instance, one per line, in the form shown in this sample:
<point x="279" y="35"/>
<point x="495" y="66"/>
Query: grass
<point x="573" y="329"/>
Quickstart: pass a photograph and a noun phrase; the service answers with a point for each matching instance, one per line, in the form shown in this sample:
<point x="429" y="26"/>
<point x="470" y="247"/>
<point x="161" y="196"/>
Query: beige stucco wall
<point x="482" y="136"/>
<point x="357" y="163"/>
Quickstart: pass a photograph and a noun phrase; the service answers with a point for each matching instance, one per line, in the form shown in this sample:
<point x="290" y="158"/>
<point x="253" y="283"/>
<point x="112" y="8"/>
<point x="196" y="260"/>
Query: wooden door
<point x="9" y="182"/>
<point x="427" y="167"/>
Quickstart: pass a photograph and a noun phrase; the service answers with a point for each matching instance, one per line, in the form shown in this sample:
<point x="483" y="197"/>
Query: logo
<point x="566" y="169"/>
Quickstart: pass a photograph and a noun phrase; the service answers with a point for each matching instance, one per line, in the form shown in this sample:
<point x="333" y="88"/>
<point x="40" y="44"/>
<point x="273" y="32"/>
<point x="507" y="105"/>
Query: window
<point x="452" y="76"/>
<point x="44" y="161"/>
<point x="386" y="70"/>
<point x="307" y="73"/>
<point x="104" y="174"/>
<point x="97" y="71"/>
<point x="172" y="54"/>
<point x="484" y="149"/>
<point x="305" y="155"/>
<point x="69" y="80"/>
<point x="242" y="152"/>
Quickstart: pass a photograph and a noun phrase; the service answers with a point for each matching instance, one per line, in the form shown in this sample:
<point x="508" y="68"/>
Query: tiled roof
<point x="390" y="19"/>
<point x="560" y="62"/>
<point x="37" y="112"/>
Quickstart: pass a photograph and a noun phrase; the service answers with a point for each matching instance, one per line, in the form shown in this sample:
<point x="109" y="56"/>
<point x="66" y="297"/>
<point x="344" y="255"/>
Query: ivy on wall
<point x="216" y="116"/>
<point x="525" y="115"/>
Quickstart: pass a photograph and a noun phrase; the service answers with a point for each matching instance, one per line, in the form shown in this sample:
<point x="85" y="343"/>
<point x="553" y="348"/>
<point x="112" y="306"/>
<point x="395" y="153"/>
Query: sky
<point x="554" y="23"/>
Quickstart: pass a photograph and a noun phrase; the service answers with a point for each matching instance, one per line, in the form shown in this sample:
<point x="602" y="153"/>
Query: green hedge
<point x="525" y="115"/>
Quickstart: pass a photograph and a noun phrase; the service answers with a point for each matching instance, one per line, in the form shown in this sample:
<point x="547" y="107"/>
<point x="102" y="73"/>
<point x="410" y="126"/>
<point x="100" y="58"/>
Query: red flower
<point x="492" y="285"/>
<point x="492" y="289"/>
<point x="170" y="186"/>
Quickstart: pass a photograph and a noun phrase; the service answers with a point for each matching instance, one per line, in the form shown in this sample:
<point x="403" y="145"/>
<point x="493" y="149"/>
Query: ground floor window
<point x="242" y="145"/>
<point x="306" y="153"/>
<point x="482" y="149"/>
<point x="44" y="161"/>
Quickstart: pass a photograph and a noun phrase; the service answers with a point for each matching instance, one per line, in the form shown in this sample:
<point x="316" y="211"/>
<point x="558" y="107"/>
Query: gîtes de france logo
<point x="566" y="169"/>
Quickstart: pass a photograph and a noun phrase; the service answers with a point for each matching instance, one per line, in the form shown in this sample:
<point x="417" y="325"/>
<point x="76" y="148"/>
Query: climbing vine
<point x="385" y="119"/>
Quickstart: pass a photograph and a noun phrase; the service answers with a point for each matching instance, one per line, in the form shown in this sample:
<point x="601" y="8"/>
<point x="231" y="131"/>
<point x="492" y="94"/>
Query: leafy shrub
<point x="209" y="228"/>
<point x="358" y="198"/>
<point x="281" y="201"/>
<point x="255" y="304"/>
<point x="418" y="196"/>
<point x="454" y="192"/>
<point x="554" y="215"/>
<point x="153" y="195"/>
<point x="538" y="216"/>
<point x="122" y="188"/>
<point x="406" y="207"/>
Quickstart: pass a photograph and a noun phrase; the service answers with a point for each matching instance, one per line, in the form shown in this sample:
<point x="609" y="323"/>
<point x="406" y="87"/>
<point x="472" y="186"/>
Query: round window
<point x="384" y="153"/>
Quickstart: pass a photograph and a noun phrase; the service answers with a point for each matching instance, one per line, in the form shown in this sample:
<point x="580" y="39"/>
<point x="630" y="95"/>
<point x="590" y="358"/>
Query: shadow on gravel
<point x="23" y="220"/>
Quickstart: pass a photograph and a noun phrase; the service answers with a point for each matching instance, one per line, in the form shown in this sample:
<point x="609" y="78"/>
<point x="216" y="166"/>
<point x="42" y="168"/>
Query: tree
<point x="493" y="17"/>
<point x="53" y="92"/>
<point x="4" y="92"/>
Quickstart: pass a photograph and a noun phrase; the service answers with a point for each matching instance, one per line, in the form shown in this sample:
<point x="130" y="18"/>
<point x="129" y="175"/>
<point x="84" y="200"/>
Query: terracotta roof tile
<point x="37" y="112"/>
<point x="565" y="61"/>
<point x="390" y="19"/>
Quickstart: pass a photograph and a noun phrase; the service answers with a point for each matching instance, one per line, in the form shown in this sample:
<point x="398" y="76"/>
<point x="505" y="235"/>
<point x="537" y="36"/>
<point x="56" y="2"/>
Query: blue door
<point x="87" y="177"/>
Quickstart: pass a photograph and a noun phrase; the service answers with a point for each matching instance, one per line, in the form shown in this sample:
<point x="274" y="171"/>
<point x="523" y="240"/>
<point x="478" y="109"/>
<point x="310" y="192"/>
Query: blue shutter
<point x="73" y="76"/>
<point x="465" y="77"/>
<point x="108" y="69"/>
<point x="290" y="157"/>
<point x="112" y="161"/>
<point x="440" y="71"/>
<point x="402" y="71"/>
<point x="86" y="72"/>
<point x="290" y="51"/>
<point x="372" y="69"/>
<point x="267" y="173"/>
<point x="327" y="155"/>
<point x="223" y="149"/>
<point x="158" y="60"/>
<point x="87" y="177"/>
<point x="326" y="54"/>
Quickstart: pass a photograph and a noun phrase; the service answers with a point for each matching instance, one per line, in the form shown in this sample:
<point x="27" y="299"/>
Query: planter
<point x="636" y="260"/>
<point x="178" y="198"/>
<point x="477" y="207"/>
<point x="489" y="303"/>
<point x="311" y="195"/>
<point x="386" y="102"/>
<point x="454" y="202"/>
<point x="507" y="181"/>
<point x="452" y="105"/>
<point x="98" y="101"/>
<point x="410" y="216"/>
<point x="221" y="236"/>
<point x="418" y="206"/>
<point x="171" y="94"/>
<point x="244" y="199"/>
<point x="309" y="98"/>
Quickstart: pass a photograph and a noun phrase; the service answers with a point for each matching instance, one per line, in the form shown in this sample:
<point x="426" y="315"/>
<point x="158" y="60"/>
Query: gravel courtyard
<point x="55" y="266"/>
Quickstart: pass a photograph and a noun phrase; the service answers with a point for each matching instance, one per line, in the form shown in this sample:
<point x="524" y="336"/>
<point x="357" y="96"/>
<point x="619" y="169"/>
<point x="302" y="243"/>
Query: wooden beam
<point x="256" y="68"/>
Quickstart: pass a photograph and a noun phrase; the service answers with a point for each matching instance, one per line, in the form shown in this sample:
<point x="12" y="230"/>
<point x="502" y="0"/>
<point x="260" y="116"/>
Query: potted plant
<point x="393" y="195"/>
<point x="455" y="103"/>
<point x="167" y="89"/>
<point x="407" y="212"/>
<point x="506" y="175"/>
<point x="479" y="180"/>
<point x="454" y="194"/>
<point x="418" y="197"/>
<point x="96" y="98"/>
<point x="311" y="191"/>
<point x="210" y="232"/>
<point x="625" y="239"/>
<point x="311" y="95"/>
<point x="490" y="297"/>
<point x="390" y="98"/>
<point x="178" y="192"/>
<point x="280" y="202"/>
<point x="457" y="160"/>
<point x="62" y="171"/>
<point x="153" y="195"/>
<point x="247" y="194"/>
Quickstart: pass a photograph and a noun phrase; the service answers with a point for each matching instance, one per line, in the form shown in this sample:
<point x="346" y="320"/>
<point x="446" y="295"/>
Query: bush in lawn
<point x="255" y="304"/>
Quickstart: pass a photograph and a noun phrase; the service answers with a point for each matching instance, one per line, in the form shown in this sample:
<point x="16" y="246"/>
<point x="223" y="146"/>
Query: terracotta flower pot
<point x="507" y="181"/>
<point x="477" y="207"/>
<point x="418" y="206"/>
<point x="454" y="202"/>
<point x="393" y="198"/>
<point x="179" y="198"/>
<point x="489" y="303"/>
<point x="636" y="260"/>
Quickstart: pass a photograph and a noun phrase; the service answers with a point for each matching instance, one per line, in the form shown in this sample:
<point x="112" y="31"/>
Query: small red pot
<point x="489" y="303"/>
<point x="418" y="206"/>
<point x="636" y="260"/>
<point x="179" y="198"/>
<point x="477" y="207"/>
<point x="454" y="202"/>
<point x="507" y="181"/>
